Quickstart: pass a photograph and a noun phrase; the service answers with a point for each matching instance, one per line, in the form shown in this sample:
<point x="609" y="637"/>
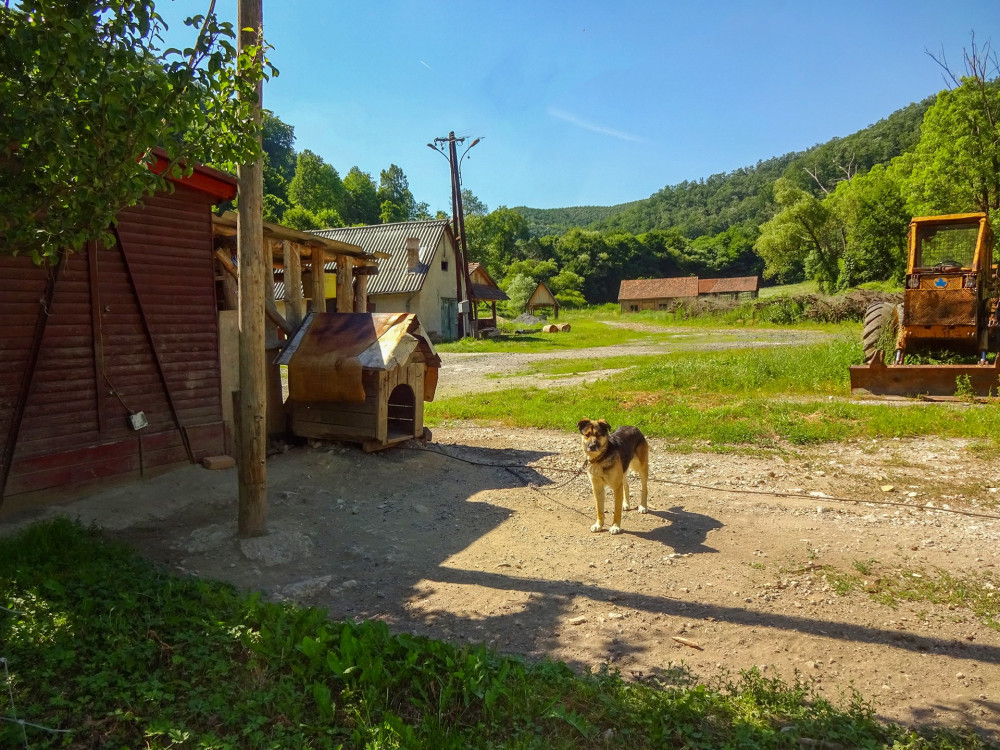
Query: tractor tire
<point x="881" y="323"/>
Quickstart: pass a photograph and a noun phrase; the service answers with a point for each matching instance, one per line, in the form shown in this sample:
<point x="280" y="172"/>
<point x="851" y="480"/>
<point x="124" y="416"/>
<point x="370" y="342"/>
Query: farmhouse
<point x="110" y="364"/>
<point x="420" y="275"/>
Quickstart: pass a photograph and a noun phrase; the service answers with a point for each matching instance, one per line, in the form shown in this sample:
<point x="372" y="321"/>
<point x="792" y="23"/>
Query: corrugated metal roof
<point x="394" y="276"/>
<point x="680" y="286"/>
<point x="728" y="286"/>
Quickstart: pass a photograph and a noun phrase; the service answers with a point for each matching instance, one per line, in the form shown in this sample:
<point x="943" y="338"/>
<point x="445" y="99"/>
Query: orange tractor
<point x="949" y="304"/>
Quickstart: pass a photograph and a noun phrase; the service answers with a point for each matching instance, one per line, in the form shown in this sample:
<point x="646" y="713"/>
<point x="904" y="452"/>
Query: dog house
<point x="361" y="377"/>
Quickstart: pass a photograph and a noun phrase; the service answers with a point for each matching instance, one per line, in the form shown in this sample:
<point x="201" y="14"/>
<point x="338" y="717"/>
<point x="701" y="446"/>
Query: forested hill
<point x="543" y="221"/>
<point x="712" y="205"/>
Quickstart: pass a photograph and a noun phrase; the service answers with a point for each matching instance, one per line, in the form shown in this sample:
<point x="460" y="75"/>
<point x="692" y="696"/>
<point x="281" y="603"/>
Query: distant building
<point x="655" y="294"/>
<point x="486" y="291"/>
<point x="661" y="294"/>
<point x="542" y="297"/>
<point x="739" y="287"/>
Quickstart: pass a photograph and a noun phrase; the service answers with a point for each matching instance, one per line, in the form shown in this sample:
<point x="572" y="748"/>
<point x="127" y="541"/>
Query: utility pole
<point x="253" y="264"/>
<point x="458" y="224"/>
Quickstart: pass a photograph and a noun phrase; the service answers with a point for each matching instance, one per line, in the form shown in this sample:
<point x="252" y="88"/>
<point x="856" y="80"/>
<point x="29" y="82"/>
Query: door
<point x="449" y="319"/>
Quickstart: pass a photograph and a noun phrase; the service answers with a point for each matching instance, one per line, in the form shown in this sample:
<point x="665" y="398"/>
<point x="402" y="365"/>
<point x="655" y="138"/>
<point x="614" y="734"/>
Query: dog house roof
<point x="330" y="351"/>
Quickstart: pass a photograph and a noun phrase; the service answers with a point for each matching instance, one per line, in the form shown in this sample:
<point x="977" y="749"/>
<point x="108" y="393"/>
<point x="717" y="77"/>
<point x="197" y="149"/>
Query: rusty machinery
<point x="949" y="304"/>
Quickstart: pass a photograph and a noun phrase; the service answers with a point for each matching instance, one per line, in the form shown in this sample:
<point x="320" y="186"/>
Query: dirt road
<point x="483" y="536"/>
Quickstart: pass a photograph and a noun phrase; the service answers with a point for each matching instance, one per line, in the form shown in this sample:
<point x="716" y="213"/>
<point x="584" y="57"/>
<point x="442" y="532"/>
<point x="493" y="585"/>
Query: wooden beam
<point x="345" y="284"/>
<point x="252" y="429"/>
<point x="361" y="303"/>
<point x="318" y="281"/>
<point x="295" y="304"/>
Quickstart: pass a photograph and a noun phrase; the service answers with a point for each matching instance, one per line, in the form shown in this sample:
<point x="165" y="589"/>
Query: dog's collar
<point x="598" y="457"/>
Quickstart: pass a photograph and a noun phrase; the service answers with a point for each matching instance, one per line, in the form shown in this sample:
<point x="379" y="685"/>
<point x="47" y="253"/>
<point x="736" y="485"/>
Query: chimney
<point x="412" y="253"/>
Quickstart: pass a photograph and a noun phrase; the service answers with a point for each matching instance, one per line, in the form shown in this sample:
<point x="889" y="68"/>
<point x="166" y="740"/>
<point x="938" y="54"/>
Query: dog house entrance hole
<point x="402" y="412"/>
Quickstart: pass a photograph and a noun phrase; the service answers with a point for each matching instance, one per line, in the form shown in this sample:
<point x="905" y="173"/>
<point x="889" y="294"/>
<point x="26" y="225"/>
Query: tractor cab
<point x="948" y="275"/>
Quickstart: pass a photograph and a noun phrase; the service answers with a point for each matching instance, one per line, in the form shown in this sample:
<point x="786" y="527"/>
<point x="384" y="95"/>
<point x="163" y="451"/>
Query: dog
<point x="609" y="456"/>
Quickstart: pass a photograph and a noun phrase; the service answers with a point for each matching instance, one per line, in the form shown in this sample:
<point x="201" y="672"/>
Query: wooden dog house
<point x="361" y="377"/>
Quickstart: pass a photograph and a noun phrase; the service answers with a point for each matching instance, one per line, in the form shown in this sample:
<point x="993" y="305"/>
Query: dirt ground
<point x="483" y="535"/>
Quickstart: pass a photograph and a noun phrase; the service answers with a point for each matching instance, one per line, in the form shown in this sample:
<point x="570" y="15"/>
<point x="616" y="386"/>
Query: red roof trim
<point x="221" y="186"/>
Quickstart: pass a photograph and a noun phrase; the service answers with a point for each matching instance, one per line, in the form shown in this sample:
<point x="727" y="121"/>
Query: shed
<point x="655" y="294"/>
<point x="361" y="377"/>
<point x="542" y="297"/>
<point x="110" y="359"/>
<point x="484" y="289"/>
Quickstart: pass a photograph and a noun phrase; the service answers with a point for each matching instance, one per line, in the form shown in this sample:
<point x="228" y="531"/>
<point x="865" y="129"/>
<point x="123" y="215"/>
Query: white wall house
<point x="418" y="277"/>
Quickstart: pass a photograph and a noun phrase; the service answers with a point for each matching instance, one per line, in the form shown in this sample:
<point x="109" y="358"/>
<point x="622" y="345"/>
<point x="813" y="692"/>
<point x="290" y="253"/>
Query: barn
<point x="109" y="360"/>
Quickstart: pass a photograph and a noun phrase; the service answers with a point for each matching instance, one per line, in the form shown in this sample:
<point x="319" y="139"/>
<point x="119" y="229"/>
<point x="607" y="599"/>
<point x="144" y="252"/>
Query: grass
<point x="790" y="290"/>
<point x="723" y="400"/>
<point x="590" y="328"/>
<point x="978" y="592"/>
<point x="586" y="331"/>
<point x="118" y="654"/>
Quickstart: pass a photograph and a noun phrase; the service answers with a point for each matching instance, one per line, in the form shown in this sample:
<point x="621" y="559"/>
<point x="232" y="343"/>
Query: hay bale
<point x="564" y="327"/>
<point x="550" y="328"/>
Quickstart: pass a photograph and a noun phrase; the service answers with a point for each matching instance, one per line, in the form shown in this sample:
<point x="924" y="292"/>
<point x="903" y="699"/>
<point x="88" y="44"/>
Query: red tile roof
<point x="681" y="286"/>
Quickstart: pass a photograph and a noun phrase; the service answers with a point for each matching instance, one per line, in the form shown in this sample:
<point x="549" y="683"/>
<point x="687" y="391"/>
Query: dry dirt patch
<point x="502" y="554"/>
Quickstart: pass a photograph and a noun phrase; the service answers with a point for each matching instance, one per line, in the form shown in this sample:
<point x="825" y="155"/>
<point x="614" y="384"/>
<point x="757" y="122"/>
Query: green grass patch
<point x="790" y="290"/>
<point x="586" y="331"/>
<point x="119" y="654"/>
<point x="756" y="398"/>
<point x="978" y="592"/>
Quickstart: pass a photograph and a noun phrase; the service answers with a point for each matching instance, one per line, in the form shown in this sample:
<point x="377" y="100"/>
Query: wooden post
<point x="252" y="443"/>
<point x="318" y="281"/>
<point x="295" y="305"/>
<point x="361" y="303"/>
<point x="345" y="284"/>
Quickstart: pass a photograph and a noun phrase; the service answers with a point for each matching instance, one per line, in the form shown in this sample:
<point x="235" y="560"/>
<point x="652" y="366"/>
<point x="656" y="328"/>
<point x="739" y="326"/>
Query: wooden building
<point x="738" y="287"/>
<point x="542" y="298"/>
<point x="484" y="290"/>
<point x="110" y="365"/>
<point x="360" y="377"/>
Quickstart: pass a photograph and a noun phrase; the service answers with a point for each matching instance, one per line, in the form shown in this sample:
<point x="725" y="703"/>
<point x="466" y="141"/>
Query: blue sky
<point x="594" y="103"/>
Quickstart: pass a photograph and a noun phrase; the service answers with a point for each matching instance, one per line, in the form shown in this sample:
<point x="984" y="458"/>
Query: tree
<point x="394" y="188"/>
<point x="361" y="202"/>
<point x="519" y="290"/>
<point x="316" y="185"/>
<point x="806" y="235"/>
<point x="874" y="212"/>
<point x="492" y="239"/>
<point x="277" y="138"/>
<point x="87" y="93"/>
<point x="471" y="205"/>
<point x="958" y="157"/>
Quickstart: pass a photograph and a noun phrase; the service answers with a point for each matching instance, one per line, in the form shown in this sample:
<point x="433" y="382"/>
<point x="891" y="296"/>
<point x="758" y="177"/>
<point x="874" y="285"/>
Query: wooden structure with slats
<point x="109" y="361"/>
<point x="360" y="377"/>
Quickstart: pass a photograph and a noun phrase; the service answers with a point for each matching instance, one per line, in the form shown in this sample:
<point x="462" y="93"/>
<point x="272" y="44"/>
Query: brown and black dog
<point x="609" y="456"/>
